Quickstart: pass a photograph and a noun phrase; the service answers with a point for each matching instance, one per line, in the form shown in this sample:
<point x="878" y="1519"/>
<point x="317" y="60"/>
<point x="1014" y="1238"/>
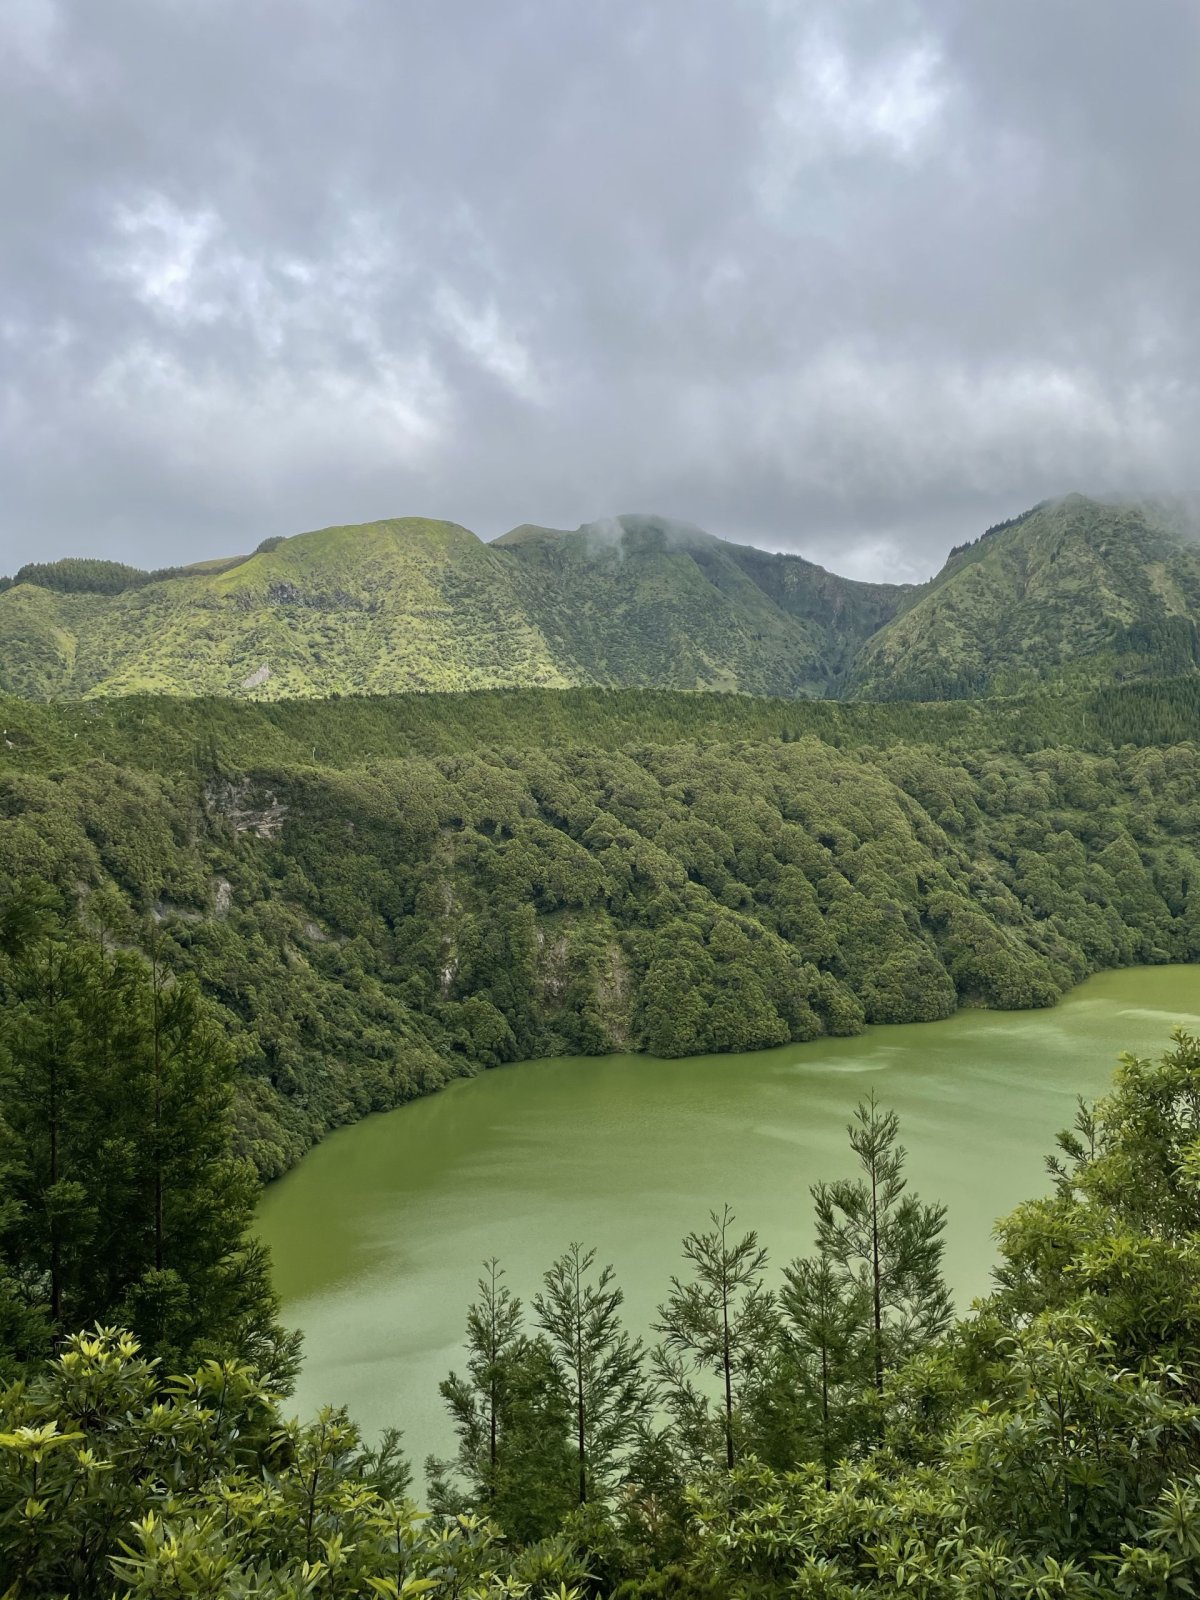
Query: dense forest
<point x="498" y="877"/>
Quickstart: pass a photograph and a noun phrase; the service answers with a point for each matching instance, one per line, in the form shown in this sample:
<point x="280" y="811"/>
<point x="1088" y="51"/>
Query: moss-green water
<point x="378" y="1234"/>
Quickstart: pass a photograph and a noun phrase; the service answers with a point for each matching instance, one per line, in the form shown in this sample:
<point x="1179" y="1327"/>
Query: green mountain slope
<point x="407" y="603"/>
<point x="415" y="604"/>
<point x="385" y="893"/>
<point x="1074" y="590"/>
<point x="643" y="600"/>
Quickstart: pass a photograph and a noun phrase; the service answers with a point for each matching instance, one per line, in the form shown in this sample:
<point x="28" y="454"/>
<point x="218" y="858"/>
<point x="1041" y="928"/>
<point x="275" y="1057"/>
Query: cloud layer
<point x="853" y="277"/>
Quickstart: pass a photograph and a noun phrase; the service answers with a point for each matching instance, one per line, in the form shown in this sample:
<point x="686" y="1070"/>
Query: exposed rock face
<point x="257" y="678"/>
<point x="249" y="811"/>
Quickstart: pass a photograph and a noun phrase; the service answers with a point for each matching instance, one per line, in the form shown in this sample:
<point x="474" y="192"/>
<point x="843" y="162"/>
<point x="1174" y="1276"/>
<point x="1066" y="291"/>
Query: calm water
<point x="378" y="1234"/>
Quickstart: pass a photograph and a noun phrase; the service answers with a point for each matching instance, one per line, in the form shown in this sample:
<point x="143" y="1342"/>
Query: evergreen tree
<point x="600" y="1363"/>
<point x="48" y="1103"/>
<point x="825" y="1321"/>
<point x="536" y="1484"/>
<point x="477" y="1402"/>
<point x="201" y="1281"/>
<point x="885" y="1242"/>
<point x="124" y="1199"/>
<point x="722" y="1321"/>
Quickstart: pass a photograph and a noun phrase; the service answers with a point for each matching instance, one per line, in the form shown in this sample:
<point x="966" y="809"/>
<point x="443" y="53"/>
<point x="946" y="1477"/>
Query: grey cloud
<point x="854" y="278"/>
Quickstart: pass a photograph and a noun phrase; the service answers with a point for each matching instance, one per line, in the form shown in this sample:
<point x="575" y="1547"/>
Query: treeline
<point x="561" y="1411"/>
<point x="218" y="737"/>
<point x="826" y="1433"/>
<point x="89" y="575"/>
<point x="368" y="932"/>
<point x="998" y="527"/>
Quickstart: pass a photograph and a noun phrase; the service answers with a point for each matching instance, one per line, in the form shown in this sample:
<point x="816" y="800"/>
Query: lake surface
<point x="379" y="1233"/>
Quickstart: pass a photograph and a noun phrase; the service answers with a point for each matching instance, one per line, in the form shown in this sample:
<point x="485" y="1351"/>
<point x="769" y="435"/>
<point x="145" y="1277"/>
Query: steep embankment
<point x="494" y="884"/>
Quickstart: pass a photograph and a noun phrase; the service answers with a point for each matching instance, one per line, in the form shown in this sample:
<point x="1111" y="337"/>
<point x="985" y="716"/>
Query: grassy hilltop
<point x="416" y="604"/>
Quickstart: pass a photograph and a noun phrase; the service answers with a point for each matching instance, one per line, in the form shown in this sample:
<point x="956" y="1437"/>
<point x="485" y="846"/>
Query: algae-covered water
<point x="379" y="1233"/>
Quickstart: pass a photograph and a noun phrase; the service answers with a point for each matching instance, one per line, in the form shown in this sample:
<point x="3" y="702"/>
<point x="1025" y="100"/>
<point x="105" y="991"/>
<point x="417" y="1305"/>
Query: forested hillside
<point x="1074" y="592"/>
<point x="383" y="894"/>
<point x="419" y="604"/>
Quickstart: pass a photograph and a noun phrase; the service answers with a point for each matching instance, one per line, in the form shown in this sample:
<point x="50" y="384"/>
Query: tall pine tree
<point x="602" y="1366"/>
<point x="885" y="1242"/>
<point x="720" y="1321"/>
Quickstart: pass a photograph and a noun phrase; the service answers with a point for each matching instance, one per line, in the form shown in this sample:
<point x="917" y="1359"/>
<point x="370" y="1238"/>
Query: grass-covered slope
<point x="409" y="603"/>
<point x="382" y="894"/>
<point x="1075" y="590"/>
<point x="414" y="604"/>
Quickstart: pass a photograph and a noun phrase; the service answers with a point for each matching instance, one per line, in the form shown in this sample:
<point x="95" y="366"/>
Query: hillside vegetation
<point x="1073" y="591"/>
<point x="415" y="604"/>
<point x="383" y="894"/>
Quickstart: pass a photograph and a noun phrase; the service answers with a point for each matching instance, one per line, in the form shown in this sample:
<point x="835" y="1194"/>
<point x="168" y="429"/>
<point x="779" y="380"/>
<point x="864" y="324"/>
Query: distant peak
<point x="529" y="533"/>
<point x="430" y="529"/>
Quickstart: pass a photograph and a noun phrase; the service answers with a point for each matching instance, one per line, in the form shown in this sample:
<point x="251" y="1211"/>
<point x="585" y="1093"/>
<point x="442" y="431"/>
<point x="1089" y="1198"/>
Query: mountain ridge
<point x="1073" y="589"/>
<point x="414" y="603"/>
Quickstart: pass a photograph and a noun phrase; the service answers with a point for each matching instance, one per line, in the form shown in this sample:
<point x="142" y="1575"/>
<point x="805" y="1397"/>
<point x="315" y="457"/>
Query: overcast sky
<point x="849" y="277"/>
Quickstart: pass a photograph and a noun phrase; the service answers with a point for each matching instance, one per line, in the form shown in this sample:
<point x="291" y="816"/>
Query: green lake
<point x="379" y="1233"/>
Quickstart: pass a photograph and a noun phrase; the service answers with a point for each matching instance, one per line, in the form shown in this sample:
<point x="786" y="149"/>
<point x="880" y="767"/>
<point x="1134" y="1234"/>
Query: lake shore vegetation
<point x="1046" y="1443"/>
<point x="375" y="897"/>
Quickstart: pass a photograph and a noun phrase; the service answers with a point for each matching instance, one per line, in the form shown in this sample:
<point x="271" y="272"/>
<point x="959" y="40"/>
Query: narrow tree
<point x="826" y="1317"/>
<point x="885" y="1241"/>
<point x="721" y="1321"/>
<point x="602" y="1365"/>
<point x="477" y="1401"/>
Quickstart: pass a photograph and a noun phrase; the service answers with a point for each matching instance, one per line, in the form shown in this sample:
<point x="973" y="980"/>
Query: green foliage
<point x="1047" y="1445"/>
<point x="598" y="1365"/>
<point x="1073" y="592"/>
<point x="90" y="576"/>
<point x="74" y="576"/>
<point x="825" y="1358"/>
<point x="885" y="1245"/>
<point x="720" y="1321"/>
<point x="418" y="604"/>
<point x="512" y="1412"/>
<point x="643" y="600"/>
<point x="519" y="875"/>
<point x="116" y="1481"/>
<point x="121" y="1196"/>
